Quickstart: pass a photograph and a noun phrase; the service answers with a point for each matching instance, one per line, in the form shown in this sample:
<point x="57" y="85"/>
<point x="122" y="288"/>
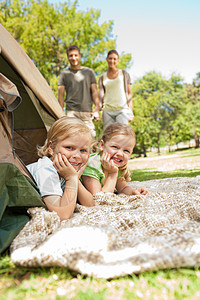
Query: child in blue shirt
<point x="64" y="157"/>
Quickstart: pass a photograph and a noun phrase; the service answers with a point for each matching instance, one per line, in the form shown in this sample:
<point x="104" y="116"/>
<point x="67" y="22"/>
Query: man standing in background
<point x="79" y="84"/>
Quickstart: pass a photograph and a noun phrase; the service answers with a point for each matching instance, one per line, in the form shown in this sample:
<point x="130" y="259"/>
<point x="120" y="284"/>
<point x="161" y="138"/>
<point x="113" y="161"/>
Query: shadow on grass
<point x="149" y="174"/>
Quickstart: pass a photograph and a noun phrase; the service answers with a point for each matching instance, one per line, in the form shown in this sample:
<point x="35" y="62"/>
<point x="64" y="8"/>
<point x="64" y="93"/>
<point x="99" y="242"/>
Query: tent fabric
<point x="9" y="92"/>
<point x="28" y="108"/>
<point x="17" y="194"/>
<point x="9" y="100"/>
<point x="17" y="189"/>
<point x="39" y="107"/>
<point x="23" y="65"/>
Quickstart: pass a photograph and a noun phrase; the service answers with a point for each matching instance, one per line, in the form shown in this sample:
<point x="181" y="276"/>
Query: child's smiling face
<point x="120" y="148"/>
<point x="74" y="148"/>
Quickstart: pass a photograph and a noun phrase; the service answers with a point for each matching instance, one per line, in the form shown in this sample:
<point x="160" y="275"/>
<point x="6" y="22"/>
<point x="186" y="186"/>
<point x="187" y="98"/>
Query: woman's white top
<point x="115" y="96"/>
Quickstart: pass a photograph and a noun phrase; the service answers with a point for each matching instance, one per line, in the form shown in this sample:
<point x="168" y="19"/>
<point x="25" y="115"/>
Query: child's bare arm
<point x="110" y="182"/>
<point x="111" y="173"/>
<point x="64" y="205"/>
<point x="92" y="184"/>
<point x="123" y="187"/>
<point x="85" y="197"/>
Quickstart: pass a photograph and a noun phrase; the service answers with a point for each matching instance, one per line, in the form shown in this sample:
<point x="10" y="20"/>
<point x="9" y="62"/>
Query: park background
<point x="159" y="46"/>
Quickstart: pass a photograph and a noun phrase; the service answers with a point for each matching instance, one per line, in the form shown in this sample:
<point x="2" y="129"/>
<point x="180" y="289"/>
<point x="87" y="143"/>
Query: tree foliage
<point x="45" y="31"/>
<point x="166" y="110"/>
<point x="192" y="116"/>
<point x="157" y="103"/>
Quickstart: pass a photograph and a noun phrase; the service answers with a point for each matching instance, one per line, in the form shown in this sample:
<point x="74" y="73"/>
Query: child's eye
<point x="115" y="147"/>
<point x="84" y="150"/>
<point x="127" y="151"/>
<point x="69" y="147"/>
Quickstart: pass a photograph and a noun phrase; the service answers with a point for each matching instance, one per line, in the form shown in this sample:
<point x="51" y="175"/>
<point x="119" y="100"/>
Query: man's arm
<point x="95" y="99"/>
<point x="61" y="95"/>
<point x="101" y="92"/>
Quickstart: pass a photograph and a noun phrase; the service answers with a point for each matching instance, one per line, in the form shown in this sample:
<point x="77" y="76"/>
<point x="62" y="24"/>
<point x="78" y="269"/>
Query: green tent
<point x="27" y="108"/>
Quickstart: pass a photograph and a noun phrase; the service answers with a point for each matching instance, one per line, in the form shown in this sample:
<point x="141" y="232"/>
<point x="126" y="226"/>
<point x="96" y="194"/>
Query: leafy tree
<point x="147" y="93"/>
<point x="157" y="104"/>
<point x="45" y="30"/>
<point x="175" y="100"/>
<point x="192" y="115"/>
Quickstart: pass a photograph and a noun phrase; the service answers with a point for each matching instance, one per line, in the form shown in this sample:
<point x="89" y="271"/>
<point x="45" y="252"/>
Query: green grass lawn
<point x="185" y="152"/>
<point x="59" y="283"/>
<point x="150" y="174"/>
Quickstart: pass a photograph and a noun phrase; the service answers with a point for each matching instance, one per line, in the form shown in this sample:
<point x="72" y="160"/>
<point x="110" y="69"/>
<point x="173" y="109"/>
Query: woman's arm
<point x="130" y="97"/>
<point x="130" y="102"/>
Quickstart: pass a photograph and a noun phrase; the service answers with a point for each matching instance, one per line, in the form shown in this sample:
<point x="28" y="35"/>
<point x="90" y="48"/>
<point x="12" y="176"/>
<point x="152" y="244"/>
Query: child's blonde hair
<point x="62" y="129"/>
<point x="119" y="129"/>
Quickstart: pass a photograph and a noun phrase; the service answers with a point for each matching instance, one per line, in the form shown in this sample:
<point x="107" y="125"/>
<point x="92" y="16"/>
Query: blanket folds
<point x="120" y="235"/>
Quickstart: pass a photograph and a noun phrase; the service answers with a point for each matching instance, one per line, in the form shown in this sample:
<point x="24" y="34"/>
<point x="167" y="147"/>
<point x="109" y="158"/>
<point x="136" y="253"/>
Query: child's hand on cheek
<point x="107" y="164"/>
<point x="80" y="171"/>
<point x="63" y="167"/>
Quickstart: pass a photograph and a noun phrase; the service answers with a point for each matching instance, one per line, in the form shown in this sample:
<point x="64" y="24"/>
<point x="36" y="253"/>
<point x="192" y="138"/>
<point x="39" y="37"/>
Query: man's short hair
<point x="73" y="47"/>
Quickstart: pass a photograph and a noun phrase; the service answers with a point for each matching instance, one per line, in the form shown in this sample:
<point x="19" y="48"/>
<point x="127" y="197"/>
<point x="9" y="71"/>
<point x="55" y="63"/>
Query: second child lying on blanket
<point x="63" y="158"/>
<point x="108" y="169"/>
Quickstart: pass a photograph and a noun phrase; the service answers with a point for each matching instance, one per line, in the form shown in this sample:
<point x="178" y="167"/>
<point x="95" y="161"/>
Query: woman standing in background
<point x="115" y="93"/>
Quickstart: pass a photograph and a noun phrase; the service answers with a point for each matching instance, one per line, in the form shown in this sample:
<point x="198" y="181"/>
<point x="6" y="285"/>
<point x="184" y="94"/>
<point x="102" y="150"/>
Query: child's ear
<point x="101" y="145"/>
<point x="50" y="145"/>
<point x="50" y="149"/>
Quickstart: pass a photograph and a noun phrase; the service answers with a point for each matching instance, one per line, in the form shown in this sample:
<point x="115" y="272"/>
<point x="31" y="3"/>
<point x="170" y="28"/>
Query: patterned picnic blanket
<point x="121" y="234"/>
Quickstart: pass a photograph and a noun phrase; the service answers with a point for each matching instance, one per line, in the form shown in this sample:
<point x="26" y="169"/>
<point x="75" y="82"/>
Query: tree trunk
<point x="158" y="142"/>
<point x="196" y="138"/>
<point x="144" y="151"/>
